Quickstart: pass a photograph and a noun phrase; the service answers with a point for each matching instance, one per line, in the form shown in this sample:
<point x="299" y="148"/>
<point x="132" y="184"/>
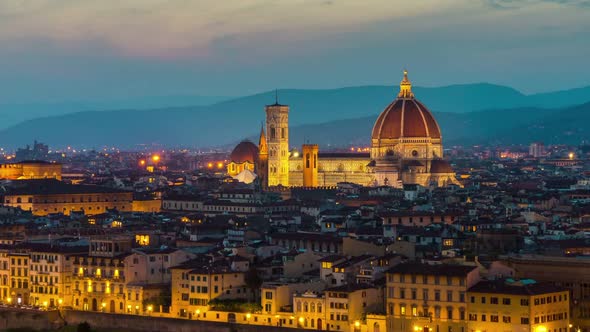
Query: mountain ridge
<point x="231" y="120"/>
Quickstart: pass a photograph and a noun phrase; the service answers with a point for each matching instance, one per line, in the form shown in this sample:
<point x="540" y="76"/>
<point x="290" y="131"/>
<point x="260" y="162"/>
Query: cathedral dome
<point x="246" y="151"/>
<point x="405" y="117"/>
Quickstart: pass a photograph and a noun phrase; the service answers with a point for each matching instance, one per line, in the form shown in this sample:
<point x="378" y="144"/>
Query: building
<point x="98" y="276"/>
<point x="406" y="148"/>
<point x="277" y="127"/>
<point x="347" y="305"/>
<point x="423" y="297"/>
<point x="32" y="169"/>
<point x="537" y="149"/>
<point x="196" y="283"/>
<point x="47" y="196"/>
<point x="39" y="151"/>
<point x="517" y="306"/>
<point x="341" y="308"/>
<point x="244" y="157"/>
<point x="571" y="273"/>
<point x="5" y="276"/>
<point x="50" y="272"/>
<point x="19" y="277"/>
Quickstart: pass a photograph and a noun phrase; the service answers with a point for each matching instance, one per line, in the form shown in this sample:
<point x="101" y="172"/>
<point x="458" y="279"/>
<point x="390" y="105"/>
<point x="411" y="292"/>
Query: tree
<point x="253" y="281"/>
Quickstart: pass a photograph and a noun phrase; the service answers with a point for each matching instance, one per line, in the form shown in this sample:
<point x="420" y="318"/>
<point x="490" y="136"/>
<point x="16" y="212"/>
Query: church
<point x="406" y="148"/>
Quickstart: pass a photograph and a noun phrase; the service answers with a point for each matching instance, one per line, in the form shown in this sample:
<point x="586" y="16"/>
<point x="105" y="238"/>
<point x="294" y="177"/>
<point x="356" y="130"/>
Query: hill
<point x="326" y="114"/>
<point x="509" y="126"/>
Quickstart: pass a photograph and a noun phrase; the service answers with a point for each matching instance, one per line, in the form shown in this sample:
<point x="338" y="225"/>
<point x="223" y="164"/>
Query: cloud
<point x="517" y="4"/>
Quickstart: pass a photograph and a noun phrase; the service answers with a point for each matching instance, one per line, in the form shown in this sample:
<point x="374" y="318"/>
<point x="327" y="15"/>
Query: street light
<point x="103" y="305"/>
<point x="301" y="320"/>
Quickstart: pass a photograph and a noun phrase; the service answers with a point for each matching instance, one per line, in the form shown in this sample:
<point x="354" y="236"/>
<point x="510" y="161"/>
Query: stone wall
<point x="158" y="324"/>
<point x="39" y="320"/>
<point x="11" y="318"/>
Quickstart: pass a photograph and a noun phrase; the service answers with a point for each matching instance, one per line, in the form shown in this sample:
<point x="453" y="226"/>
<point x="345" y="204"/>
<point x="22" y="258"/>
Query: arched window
<point x="273" y="133"/>
<point x="312" y="309"/>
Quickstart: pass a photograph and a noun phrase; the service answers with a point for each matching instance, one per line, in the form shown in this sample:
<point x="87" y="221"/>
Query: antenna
<point x="276" y="96"/>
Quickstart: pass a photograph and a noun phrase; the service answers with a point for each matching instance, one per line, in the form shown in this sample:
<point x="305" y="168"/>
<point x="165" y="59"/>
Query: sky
<point x="59" y="50"/>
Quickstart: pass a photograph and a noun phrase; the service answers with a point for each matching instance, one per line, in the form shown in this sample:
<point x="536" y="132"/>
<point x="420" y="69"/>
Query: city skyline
<point x="81" y="50"/>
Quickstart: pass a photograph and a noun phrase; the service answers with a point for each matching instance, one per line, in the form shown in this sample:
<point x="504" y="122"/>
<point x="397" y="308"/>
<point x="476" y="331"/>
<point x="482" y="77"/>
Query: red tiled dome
<point x="405" y="117"/>
<point x="246" y="151"/>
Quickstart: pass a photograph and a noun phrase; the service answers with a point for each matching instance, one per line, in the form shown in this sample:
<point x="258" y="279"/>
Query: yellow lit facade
<point x="427" y="298"/>
<point x="193" y="289"/>
<point x="277" y="130"/>
<point x="4" y="276"/>
<point x="19" y="278"/>
<point x="518" y="307"/>
<point x="30" y="170"/>
<point x="51" y="277"/>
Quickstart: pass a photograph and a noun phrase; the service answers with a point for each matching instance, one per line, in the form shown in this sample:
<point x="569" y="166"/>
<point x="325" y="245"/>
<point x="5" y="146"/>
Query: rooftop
<point x="513" y="287"/>
<point x="432" y="269"/>
<point x="54" y="187"/>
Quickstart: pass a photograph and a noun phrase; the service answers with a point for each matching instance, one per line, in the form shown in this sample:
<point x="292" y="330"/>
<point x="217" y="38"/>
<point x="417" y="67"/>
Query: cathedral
<point x="406" y="148"/>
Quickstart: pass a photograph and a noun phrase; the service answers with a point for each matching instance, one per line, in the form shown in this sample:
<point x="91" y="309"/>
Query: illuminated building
<point x="422" y="297"/>
<point x="571" y="273"/>
<point x="277" y="128"/>
<point x="195" y="284"/>
<point x="34" y="169"/>
<point x="346" y="305"/>
<point x="244" y="157"/>
<point x="406" y="148"/>
<point x="47" y="196"/>
<point x="4" y="276"/>
<point x="524" y="305"/>
<point x="50" y="272"/>
<point x="99" y="276"/>
<point x="19" y="277"/>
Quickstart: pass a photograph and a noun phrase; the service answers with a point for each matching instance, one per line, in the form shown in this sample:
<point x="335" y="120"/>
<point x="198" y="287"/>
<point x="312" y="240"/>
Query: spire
<point x="276" y="96"/>
<point x="262" y="147"/>
<point x="405" y="87"/>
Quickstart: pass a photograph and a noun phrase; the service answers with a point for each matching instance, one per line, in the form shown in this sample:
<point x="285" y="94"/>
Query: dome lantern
<point x="405" y="87"/>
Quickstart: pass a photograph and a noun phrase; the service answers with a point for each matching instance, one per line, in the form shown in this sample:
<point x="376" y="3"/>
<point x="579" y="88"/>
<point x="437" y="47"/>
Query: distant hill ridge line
<point x="475" y="111"/>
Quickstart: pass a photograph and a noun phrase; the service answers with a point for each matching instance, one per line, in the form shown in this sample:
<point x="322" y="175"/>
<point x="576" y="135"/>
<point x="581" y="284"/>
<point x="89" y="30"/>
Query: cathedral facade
<point x="406" y="148"/>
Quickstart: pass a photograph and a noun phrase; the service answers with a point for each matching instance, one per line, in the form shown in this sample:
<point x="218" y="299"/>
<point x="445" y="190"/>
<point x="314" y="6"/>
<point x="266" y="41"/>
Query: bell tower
<point x="277" y="131"/>
<point x="310" y="165"/>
